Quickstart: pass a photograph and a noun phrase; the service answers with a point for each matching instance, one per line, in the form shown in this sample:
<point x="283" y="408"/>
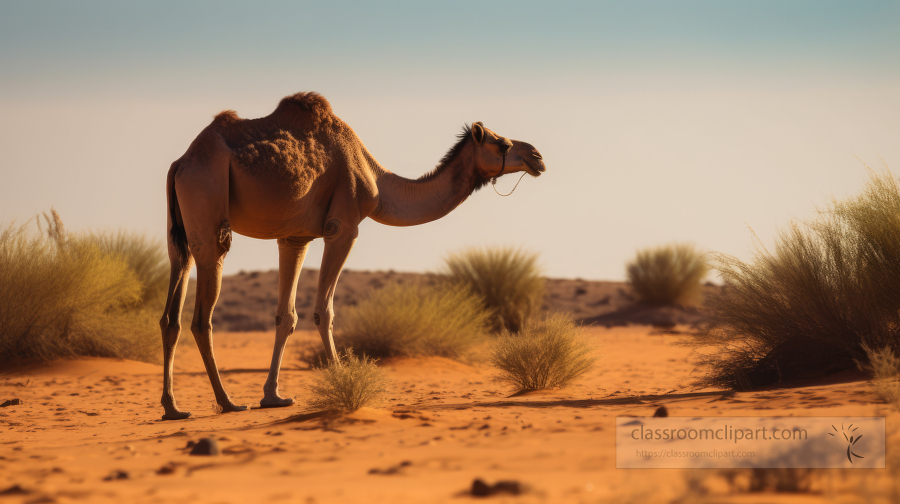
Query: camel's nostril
<point x="536" y="154"/>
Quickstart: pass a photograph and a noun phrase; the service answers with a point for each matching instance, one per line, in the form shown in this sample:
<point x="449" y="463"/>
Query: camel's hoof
<point x="276" y="402"/>
<point x="176" y="415"/>
<point x="229" y="408"/>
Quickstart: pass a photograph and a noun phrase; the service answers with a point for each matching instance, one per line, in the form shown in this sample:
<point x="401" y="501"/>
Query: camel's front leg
<point x="339" y="236"/>
<point x="291" y="252"/>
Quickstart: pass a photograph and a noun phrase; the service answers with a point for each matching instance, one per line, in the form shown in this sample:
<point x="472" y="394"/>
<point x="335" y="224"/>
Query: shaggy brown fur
<point x="463" y="138"/>
<point x="295" y="155"/>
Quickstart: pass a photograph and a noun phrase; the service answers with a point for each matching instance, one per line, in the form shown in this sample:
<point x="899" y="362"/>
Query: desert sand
<point x="89" y="430"/>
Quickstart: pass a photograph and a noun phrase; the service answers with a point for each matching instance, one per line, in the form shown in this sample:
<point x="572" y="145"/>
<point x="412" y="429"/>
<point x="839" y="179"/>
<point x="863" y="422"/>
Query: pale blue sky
<point x="658" y="121"/>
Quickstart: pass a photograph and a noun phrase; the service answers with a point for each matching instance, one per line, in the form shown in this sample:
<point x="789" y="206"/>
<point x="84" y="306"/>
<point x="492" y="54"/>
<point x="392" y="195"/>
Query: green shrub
<point x="508" y="281"/>
<point x="64" y="294"/>
<point x="549" y="353"/>
<point x="830" y="288"/>
<point x="410" y="320"/>
<point x="667" y="275"/>
<point x="349" y="385"/>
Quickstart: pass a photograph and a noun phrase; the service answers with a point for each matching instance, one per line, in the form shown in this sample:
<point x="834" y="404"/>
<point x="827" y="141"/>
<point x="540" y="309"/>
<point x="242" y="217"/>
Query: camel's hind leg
<point x="291" y="252"/>
<point x="202" y="187"/>
<point x="209" y="282"/>
<point x="171" y="329"/>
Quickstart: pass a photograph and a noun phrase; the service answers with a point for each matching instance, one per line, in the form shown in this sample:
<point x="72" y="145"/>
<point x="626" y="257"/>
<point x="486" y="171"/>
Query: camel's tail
<point x="179" y="238"/>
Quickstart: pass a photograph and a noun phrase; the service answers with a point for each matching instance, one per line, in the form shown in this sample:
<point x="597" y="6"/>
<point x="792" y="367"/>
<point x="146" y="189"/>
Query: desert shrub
<point x="830" y="288"/>
<point x="146" y="258"/>
<point x="508" y="281"/>
<point x="885" y="368"/>
<point x="548" y="353"/>
<point x="667" y="275"/>
<point x="65" y="294"/>
<point x="349" y="385"/>
<point x="410" y="320"/>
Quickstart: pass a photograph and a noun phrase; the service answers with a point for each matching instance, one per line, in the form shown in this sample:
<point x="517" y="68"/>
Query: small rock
<point x="482" y="489"/>
<point x="14" y="490"/>
<point x="391" y="470"/>
<point x="117" y="475"/>
<point x="169" y="468"/>
<point x="206" y="446"/>
<point x="661" y="412"/>
<point x="11" y="402"/>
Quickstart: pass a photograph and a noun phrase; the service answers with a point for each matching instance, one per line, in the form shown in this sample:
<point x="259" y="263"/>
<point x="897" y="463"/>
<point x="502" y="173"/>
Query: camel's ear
<point x="478" y="132"/>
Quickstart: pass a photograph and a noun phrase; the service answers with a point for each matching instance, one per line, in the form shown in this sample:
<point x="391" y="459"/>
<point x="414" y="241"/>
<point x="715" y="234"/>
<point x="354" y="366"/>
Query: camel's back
<point x="296" y="143"/>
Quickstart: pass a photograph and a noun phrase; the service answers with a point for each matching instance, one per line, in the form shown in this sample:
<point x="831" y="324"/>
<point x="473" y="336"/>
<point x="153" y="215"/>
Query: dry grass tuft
<point x="667" y="275"/>
<point x="64" y="295"/>
<point x="409" y="320"/>
<point x="549" y="353"/>
<point x="885" y="366"/>
<point x="508" y="281"/>
<point x="830" y="289"/>
<point x="349" y="385"/>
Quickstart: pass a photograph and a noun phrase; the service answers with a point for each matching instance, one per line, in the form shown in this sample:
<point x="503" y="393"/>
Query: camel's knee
<point x="324" y="318"/>
<point x="201" y="329"/>
<point x="287" y="321"/>
<point x="169" y="326"/>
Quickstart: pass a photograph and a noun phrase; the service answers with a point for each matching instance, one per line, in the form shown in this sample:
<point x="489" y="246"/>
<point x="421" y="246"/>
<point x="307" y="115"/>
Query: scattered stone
<point x="482" y="489"/>
<point x="661" y="412"/>
<point x="205" y="446"/>
<point x="14" y="490"/>
<point x="117" y="475"/>
<point x="11" y="402"/>
<point x="168" y="468"/>
<point x="391" y="470"/>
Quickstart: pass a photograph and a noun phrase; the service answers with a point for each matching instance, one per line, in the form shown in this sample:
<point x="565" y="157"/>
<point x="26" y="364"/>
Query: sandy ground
<point x="90" y="431"/>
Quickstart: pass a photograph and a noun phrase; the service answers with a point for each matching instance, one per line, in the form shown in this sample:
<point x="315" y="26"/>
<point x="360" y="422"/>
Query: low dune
<point x="90" y="431"/>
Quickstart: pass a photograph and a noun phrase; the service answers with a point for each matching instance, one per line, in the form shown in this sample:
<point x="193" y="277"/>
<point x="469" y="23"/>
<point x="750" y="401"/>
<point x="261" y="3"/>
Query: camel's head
<point x="490" y="149"/>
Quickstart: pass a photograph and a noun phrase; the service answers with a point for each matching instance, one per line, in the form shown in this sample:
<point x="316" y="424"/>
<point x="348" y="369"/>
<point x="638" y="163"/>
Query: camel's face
<point x="491" y="147"/>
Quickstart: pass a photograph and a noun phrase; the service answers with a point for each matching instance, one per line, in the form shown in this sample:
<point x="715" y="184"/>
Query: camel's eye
<point x="505" y="146"/>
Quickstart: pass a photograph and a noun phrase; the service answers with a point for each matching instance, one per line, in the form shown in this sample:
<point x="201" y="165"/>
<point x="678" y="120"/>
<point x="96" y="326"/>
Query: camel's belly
<point x="268" y="208"/>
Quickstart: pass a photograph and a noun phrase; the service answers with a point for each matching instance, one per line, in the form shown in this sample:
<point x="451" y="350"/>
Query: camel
<point x="295" y="175"/>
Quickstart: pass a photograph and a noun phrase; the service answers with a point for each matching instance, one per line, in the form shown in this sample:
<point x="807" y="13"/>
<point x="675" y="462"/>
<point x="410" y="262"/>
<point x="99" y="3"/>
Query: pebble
<point x="206" y="446"/>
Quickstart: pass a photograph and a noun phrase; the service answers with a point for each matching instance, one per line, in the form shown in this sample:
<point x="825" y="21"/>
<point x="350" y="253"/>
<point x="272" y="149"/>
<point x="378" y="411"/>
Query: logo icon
<point x="851" y="440"/>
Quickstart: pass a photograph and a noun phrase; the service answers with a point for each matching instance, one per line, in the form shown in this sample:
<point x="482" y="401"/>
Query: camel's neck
<point x="406" y="202"/>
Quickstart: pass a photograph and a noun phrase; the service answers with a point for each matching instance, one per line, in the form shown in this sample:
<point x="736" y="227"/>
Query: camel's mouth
<point x="535" y="171"/>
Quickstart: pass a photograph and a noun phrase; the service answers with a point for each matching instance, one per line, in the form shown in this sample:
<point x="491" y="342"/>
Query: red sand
<point x="444" y="424"/>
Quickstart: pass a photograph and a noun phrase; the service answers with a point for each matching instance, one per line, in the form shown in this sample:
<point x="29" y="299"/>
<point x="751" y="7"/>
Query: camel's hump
<point x="311" y="103"/>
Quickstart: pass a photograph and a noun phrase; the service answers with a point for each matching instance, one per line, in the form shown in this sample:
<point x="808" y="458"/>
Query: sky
<point x="659" y="122"/>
